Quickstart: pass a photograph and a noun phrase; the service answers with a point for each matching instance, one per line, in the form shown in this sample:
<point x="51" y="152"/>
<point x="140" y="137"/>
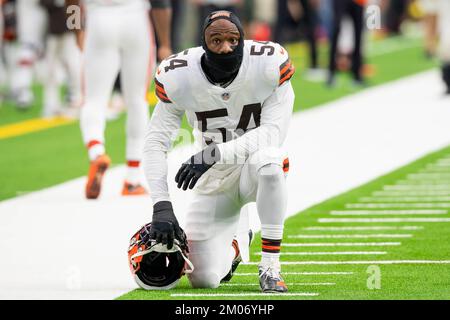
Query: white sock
<point x="95" y="151"/>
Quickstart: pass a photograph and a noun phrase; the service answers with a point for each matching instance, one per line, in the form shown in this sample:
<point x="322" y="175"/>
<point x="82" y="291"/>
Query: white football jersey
<point x="260" y="96"/>
<point x="223" y="114"/>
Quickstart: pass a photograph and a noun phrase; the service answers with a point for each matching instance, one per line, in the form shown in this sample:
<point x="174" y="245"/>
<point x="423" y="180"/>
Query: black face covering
<point x="222" y="68"/>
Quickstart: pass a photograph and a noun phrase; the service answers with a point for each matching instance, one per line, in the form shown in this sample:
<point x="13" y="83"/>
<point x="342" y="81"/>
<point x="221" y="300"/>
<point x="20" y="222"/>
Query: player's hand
<point x="196" y="166"/>
<point x="164" y="52"/>
<point x="164" y="228"/>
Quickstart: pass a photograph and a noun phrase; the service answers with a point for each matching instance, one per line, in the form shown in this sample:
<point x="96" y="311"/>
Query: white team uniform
<point x="119" y="36"/>
<point x="258" y="102"/>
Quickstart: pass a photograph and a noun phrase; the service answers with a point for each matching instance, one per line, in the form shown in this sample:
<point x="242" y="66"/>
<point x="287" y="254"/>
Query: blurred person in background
<point x="206" y="7"/>
<point x="119" y="37"/>
<point x="430" y="10"/>
<point x="355" y="10"/>
<point x="178" y="19"/>
<point x="61" y="51"/>
<point x="31" y="25"/>
<point x="305" y="14"/>
<point x="395" y="14"/>
<point x="444" y="45"/>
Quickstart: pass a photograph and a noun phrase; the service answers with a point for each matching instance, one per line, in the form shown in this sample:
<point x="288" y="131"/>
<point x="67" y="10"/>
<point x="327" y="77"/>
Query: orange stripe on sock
<point x="133" y="164"/>
<point x="271" y="247"/>
<point x="93" y="143"/>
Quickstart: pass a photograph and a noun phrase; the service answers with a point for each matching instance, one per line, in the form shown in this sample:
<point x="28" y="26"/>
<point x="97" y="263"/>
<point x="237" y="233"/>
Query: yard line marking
<point x="404" y="199"/>
<point x="383" y="220"/>
<point x="349" y="236"/>
<point x="288" y="284"/>
<point x="356" y="262"/>
<point x="385" y="212"/>
<point x="428" y="176"/>
<point x="396" y="205"/>
<point x="343" y="244"/>
<point x="300" y="294"/>
<point x="411" y="193"/>
<point x="415" y="187"/>
<point x="330" y="253"/>
<point x="29" y="126"/>
<point x="362" y="228"/>
<point x="331" y="273"/>
<point x="424" y="182"/>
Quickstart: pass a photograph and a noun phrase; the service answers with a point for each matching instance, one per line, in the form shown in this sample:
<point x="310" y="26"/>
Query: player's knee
<point x="271" y="174"/>
<point x="205" y="280"/>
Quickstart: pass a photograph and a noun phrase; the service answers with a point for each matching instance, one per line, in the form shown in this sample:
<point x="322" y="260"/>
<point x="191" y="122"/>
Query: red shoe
<point x="133" y="190"/>
<point x="95" y="176"/>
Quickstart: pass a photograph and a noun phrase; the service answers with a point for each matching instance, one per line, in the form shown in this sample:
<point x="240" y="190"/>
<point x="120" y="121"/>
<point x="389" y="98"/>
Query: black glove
<point x="165" y="226"/>
<point x="196" y="166"/>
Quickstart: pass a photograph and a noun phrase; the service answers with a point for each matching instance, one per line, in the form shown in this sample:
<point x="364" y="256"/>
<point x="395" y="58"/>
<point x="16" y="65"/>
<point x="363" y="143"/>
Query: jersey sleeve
<point x="285" y="67"/>
<point x="162" y="131"/>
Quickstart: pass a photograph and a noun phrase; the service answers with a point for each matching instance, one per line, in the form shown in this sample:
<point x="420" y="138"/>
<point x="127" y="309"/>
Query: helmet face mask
<point x="153" y="265"/>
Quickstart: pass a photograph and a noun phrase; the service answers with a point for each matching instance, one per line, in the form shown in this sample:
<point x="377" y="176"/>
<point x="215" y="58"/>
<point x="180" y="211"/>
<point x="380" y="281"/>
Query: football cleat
<point x="133" y="190"/>
<point x="270" y="279"/>
<point x="96" y="171"/>
<point x="237" y="259"/>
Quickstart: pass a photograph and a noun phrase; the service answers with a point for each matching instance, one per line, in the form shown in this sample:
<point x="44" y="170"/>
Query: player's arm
<point x="162" y="131"/>
<point x="161" y="14"/>
<point x="275" y="118"/>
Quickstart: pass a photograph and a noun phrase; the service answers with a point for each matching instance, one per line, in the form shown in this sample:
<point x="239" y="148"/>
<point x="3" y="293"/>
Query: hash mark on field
<point x="349" y="236"/>
<point x="396" y="205"/>
<point x="384" y="220"/>
<point x="362" y="228"/>
<point x="416" y="187"/>
<point x="300" y="294"/>
<point x="357" y="262"/>
<point x="300" y="274"/>
<point x="404" y="199"/>
<point x="288" y="284"/>
<point x="413" y="193"/>
<point x="428" y="176"/>
<point x="343" y="244"/>
<point x="331" y="253"/>
<point x="385" y="212"/>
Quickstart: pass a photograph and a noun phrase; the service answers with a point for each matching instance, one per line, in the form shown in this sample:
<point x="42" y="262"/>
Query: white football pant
<point x="212" y="220"/>
<point x="117" y="38"/>
<point x="62" y="51"/>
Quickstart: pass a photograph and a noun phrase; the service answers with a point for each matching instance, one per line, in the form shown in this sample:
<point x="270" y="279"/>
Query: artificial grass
<point x="404" y="281"/>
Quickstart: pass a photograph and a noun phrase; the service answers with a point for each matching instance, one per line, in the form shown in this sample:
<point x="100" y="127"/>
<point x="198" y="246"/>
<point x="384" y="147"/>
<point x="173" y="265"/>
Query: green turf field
<point x="56" y="155"/>
<point x="402" y="241"/>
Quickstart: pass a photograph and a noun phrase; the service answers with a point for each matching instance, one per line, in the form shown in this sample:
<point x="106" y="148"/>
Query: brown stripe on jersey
<point x="287" y="75"/>
<point x="286" y="165"/>
<point x="161" y="92"/>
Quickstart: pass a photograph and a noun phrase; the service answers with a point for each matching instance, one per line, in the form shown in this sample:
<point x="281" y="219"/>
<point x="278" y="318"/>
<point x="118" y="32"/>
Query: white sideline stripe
<point x="244" y="274"/>
<point x="396" y="205"/>
<point x="331" y="253"/>
<point x="349" y="236"/>
<point x="313" y="284"/>
<point x="411" y="193"/>
<point x="343" y="244"/>
<point x="408" y="187"/>
<point x="206" y="295"/>
<point x="360" y="228"/>
<point x="357" y="262"/>
<point x="384" y="220"/>
<point x="385" y="212"/>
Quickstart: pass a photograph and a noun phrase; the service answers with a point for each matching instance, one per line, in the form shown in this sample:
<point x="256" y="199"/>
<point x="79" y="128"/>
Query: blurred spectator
<point x="430" y="8"/>
<point x="355" y="9"/>
<point x="205" y="7"/>
<point x="444" y="46"/>
<point x="304" y="12"/>
<point x="178" y="19"/>
<point x="61" y="51"/>
<point x="396" y="10"/>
